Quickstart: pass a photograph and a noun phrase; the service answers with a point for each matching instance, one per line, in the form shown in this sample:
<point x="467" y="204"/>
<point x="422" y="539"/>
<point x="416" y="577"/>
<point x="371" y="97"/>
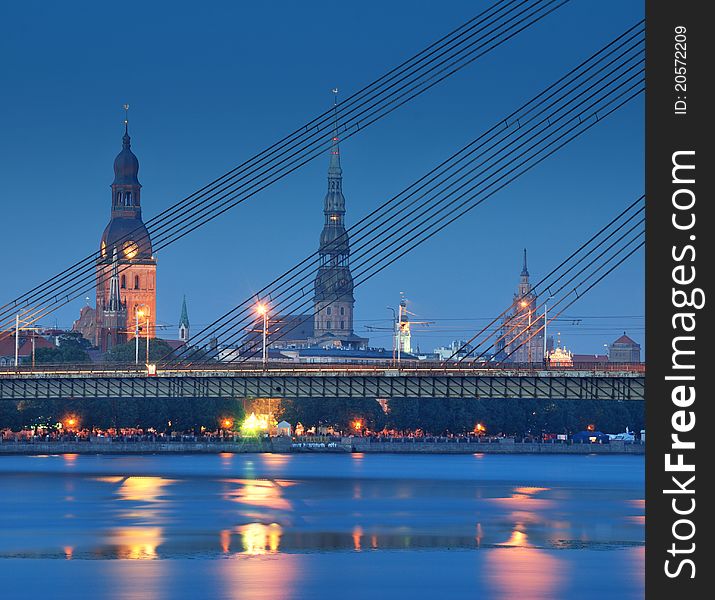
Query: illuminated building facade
<point x="135" y="264"/>
<point x="522" y="335"/>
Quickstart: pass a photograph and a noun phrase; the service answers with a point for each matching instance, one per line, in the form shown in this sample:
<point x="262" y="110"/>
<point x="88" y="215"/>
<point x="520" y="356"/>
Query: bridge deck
<point x="339" y="381"/>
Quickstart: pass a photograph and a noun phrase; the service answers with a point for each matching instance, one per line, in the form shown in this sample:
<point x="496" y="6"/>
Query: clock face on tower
<point x="131" y="249"/>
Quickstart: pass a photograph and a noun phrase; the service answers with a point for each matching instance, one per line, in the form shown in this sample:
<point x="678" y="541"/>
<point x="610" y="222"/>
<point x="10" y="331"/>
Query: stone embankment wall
<point x="346" y="444"/>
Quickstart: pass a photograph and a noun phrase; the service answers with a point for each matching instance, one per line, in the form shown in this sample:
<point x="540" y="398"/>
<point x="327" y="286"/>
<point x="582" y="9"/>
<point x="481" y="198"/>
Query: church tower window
<point x="124" y="282"/>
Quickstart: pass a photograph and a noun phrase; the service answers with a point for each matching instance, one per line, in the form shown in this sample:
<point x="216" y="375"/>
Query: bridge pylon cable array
<point x="560" y="288"/>
<point x="546" y="282"/>
<point x="616" y="89"/>
<point x="533" y="332"/>
<point x="440" y="60"/>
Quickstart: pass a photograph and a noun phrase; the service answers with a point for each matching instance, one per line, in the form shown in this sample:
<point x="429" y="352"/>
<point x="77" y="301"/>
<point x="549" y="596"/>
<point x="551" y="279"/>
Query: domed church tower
<point x="127" y="234"/>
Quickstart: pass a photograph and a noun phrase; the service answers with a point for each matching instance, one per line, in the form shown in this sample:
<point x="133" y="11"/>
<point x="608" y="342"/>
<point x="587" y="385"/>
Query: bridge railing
<point x="247" y="367"/>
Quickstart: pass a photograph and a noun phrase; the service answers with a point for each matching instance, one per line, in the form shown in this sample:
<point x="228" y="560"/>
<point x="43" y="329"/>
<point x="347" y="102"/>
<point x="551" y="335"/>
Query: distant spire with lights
<point x="184" y="323"/>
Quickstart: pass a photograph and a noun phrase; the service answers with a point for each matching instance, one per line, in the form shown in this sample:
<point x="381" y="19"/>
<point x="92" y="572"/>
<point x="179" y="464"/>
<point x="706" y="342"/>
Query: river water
<point x="321" y="525"/>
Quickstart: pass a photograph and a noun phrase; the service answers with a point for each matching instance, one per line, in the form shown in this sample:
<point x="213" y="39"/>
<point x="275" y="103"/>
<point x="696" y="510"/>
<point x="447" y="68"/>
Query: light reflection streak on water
<point x="258" y="538"/>
<point x="136" y="543"/>
<point x="225" y="540"/>
<point x="257" y="492"/>
<point x="517" y="570"/>
<point x="144" y="489"/>
<point x="357" y="537"/>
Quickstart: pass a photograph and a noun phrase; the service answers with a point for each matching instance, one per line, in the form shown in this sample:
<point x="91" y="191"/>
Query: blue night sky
<point x="211" y="84"/>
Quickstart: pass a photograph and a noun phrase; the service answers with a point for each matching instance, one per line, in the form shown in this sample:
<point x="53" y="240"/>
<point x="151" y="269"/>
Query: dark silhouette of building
<point x="334" y="301"/>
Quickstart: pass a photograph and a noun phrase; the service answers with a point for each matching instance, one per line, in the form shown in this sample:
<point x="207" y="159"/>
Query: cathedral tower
<point x="127" y="235"/>
<point x="334" y="300"/>
<point x="521" y="340"/>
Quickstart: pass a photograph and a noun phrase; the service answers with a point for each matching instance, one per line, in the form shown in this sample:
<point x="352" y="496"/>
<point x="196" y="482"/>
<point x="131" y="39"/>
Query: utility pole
<point x="147" y="338"/>
<point x="17" y="340"/>
<point x="528" y="340"/>
<point x="136" y="337"/>
<point x="265" y="335"/>
<point x="546" y="362"/>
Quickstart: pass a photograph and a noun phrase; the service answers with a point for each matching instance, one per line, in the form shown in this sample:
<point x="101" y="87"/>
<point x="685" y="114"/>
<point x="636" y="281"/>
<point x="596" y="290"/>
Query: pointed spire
<point x="115" y="300"/>
<point x="126" y="140"/>
<point x="524" y="270"/>
<point x="334" y="169"/>
<point x="184" y="319"/>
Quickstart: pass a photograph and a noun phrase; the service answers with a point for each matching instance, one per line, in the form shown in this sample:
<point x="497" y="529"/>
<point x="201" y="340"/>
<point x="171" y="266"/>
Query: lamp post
<point x="262" y="310"/>
<point x="138" y="314"/>
<point x="147" y="338"/>
<point x="17" y="340"/>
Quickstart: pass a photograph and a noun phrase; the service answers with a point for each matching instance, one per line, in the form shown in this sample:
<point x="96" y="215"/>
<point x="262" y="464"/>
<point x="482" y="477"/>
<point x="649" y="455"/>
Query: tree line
<point x="431" y="416"/>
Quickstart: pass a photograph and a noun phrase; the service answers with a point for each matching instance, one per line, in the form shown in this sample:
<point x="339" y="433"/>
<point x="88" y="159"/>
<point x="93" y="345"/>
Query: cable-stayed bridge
<point x="584" y="97"/>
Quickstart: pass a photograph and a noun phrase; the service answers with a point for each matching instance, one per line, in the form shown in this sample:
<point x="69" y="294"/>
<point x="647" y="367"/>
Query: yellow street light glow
<point x="357" y="424"/>
<point x="524" y="303"/>
<point x="227" y="423"/>
<point x="261" y="308"/>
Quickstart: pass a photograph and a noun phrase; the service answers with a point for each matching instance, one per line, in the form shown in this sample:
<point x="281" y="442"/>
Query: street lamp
<point x="262" y="310"/>
<point x="139" y="314"/>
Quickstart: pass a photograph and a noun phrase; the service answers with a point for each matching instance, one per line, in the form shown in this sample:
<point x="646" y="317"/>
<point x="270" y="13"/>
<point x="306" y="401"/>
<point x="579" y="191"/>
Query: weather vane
<point x="126" y="115"/>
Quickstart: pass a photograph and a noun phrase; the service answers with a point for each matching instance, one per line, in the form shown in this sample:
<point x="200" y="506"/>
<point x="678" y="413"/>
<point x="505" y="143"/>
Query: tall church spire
<point x="334" y="169"/>
<point x="333" y="283"/>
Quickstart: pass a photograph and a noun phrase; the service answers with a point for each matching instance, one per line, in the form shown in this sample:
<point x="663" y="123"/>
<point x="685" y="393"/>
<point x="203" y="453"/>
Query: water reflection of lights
<point x="528" y="492"/>
<point x="357" y="537"/>
<point x="518" y="570"/>
<point x="277" y="460"/>
<point x="69" y="551"/>
<point x="70" y="458"/>
<point x="144" y="489"/>
<point x="258" y="492"/>
<point x="137" y="543"/>
<point x="358" y="455"/>
<point x="258" y="538"/>
<point x="109" y="479"/>
<point x="225" y="539"/>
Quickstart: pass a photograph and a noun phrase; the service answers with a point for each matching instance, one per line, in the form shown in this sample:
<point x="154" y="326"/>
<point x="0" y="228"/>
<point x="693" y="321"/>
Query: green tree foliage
<point x="72" y="349"/>
<point x="126" y="353"/>
<point x="512" y="416"/>
<point x="340" y="413"/>
<point x="184" y="414"/>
